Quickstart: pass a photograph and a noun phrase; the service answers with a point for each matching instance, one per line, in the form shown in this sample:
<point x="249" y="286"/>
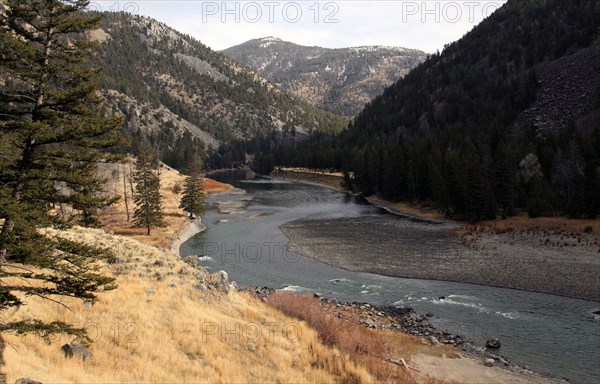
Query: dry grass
<point x="365" y="347"/>
<point x="158" y="327"/>
<point x="419" y="210"/>
<point x="554" y="225"/>
<point x="162" y="325"/>
<point x="524" y="222"/>
<point x="114" y="218"/>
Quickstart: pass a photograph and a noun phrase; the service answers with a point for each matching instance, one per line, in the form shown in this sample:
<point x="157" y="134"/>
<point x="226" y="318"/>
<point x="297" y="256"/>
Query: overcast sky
<point x="426" y="25"/>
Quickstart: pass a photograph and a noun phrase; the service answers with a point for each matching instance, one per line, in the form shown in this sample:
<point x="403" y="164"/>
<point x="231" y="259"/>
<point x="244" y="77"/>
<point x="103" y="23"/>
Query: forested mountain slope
<point x="188" y="97"/>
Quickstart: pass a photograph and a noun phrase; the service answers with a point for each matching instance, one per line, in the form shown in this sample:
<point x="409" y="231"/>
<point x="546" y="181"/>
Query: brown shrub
<point x="363" y="346"/>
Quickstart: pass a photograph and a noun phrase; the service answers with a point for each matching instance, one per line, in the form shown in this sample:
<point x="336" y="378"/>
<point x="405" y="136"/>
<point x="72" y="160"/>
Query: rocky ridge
<point x="340" y="80"/>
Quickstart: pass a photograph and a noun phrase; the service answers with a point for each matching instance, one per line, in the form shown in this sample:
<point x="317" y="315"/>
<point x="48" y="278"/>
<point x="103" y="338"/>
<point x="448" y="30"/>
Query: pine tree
<point x="148" y="212"/>
<point x="480" y="199"/>
<point x="52" y="129"/>
<point x="347" y="183"/>
<point x="192" y="200"/>
<point x="504" y="179"/>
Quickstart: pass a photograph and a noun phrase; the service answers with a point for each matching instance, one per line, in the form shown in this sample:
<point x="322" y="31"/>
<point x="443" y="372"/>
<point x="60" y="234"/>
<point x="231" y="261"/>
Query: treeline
<point x="445" y="135"/>
<point x="175" y="150"/>
<point x="475" y="179"/>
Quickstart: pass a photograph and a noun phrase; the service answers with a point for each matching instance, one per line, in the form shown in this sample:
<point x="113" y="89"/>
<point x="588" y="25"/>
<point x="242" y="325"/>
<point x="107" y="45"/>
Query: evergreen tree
<point x="192" y="200"/>
<point x="52" y="129"/>
<point x="148" y="212"/>
<point x="504" y="177"/>
<point x="480" y="198"/>
<point x="347" y="183"/>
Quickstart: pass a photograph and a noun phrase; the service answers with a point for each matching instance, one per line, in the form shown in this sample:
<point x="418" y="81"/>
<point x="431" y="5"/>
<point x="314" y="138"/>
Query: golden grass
<point x="169" y="331"/>
<point x="379" y="351"/>
<point x="161" y="325"/>
<point x="363" y="346"/>
<point x="557" y="225"/>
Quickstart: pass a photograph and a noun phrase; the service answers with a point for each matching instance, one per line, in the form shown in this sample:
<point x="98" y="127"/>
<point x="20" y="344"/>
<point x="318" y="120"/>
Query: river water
<point x="549" y="334"/>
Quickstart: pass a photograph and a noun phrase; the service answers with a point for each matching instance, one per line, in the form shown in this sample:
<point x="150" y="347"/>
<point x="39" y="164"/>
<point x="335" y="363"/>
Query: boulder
<point x="77" y="350"/>
<point x="493" y="343"/>
<point x="26" y="380"/>
<point x="116" y="261"/>
<point x="489" y="362"/>
<point x="223" y="281"/>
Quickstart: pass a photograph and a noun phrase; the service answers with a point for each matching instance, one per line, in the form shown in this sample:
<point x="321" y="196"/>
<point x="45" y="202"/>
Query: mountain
<point x="186" y="96"/>
<point x="530" y="63"/>
<point x="504" y="119"/>
<point x="341" y="80"/>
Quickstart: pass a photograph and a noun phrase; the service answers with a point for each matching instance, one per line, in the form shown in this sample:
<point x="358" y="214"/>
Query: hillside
<point x="188" y="97"/>
<point x="505" y="119"/>
<point x="341" y="80"/>
<point x="163" y="322"/>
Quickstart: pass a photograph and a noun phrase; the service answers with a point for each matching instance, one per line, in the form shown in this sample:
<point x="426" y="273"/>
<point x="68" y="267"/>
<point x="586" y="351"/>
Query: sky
<point x="426" y="24"/>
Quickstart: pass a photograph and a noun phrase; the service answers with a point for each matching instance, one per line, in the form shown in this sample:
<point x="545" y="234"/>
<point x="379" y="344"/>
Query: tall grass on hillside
<point x="363" y="346"/>
<point x="159" y="326"/>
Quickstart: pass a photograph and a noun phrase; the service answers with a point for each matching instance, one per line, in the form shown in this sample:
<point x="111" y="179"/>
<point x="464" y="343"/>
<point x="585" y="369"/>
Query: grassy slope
<point x="174" y="332"/>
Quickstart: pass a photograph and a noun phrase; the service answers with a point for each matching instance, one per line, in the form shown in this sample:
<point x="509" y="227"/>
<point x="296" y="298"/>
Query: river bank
<point x="536" y="330"/>
<point x="558" y="256"/>
<point x="432" y="350"/>
<point x="433" y="360"/>
<point x="330" y="179"/>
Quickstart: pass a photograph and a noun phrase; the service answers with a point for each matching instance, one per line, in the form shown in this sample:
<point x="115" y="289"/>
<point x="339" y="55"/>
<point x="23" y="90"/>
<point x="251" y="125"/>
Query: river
<point x="549" y="334"/>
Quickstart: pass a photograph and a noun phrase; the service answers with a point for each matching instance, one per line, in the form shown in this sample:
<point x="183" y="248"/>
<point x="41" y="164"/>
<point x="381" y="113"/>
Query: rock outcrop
<point x="71" y="350"/>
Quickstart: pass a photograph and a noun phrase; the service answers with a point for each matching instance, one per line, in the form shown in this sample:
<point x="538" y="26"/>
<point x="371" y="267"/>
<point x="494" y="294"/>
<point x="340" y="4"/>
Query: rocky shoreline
<point x="407" y="321"/>
<point x="194" y="227"/>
